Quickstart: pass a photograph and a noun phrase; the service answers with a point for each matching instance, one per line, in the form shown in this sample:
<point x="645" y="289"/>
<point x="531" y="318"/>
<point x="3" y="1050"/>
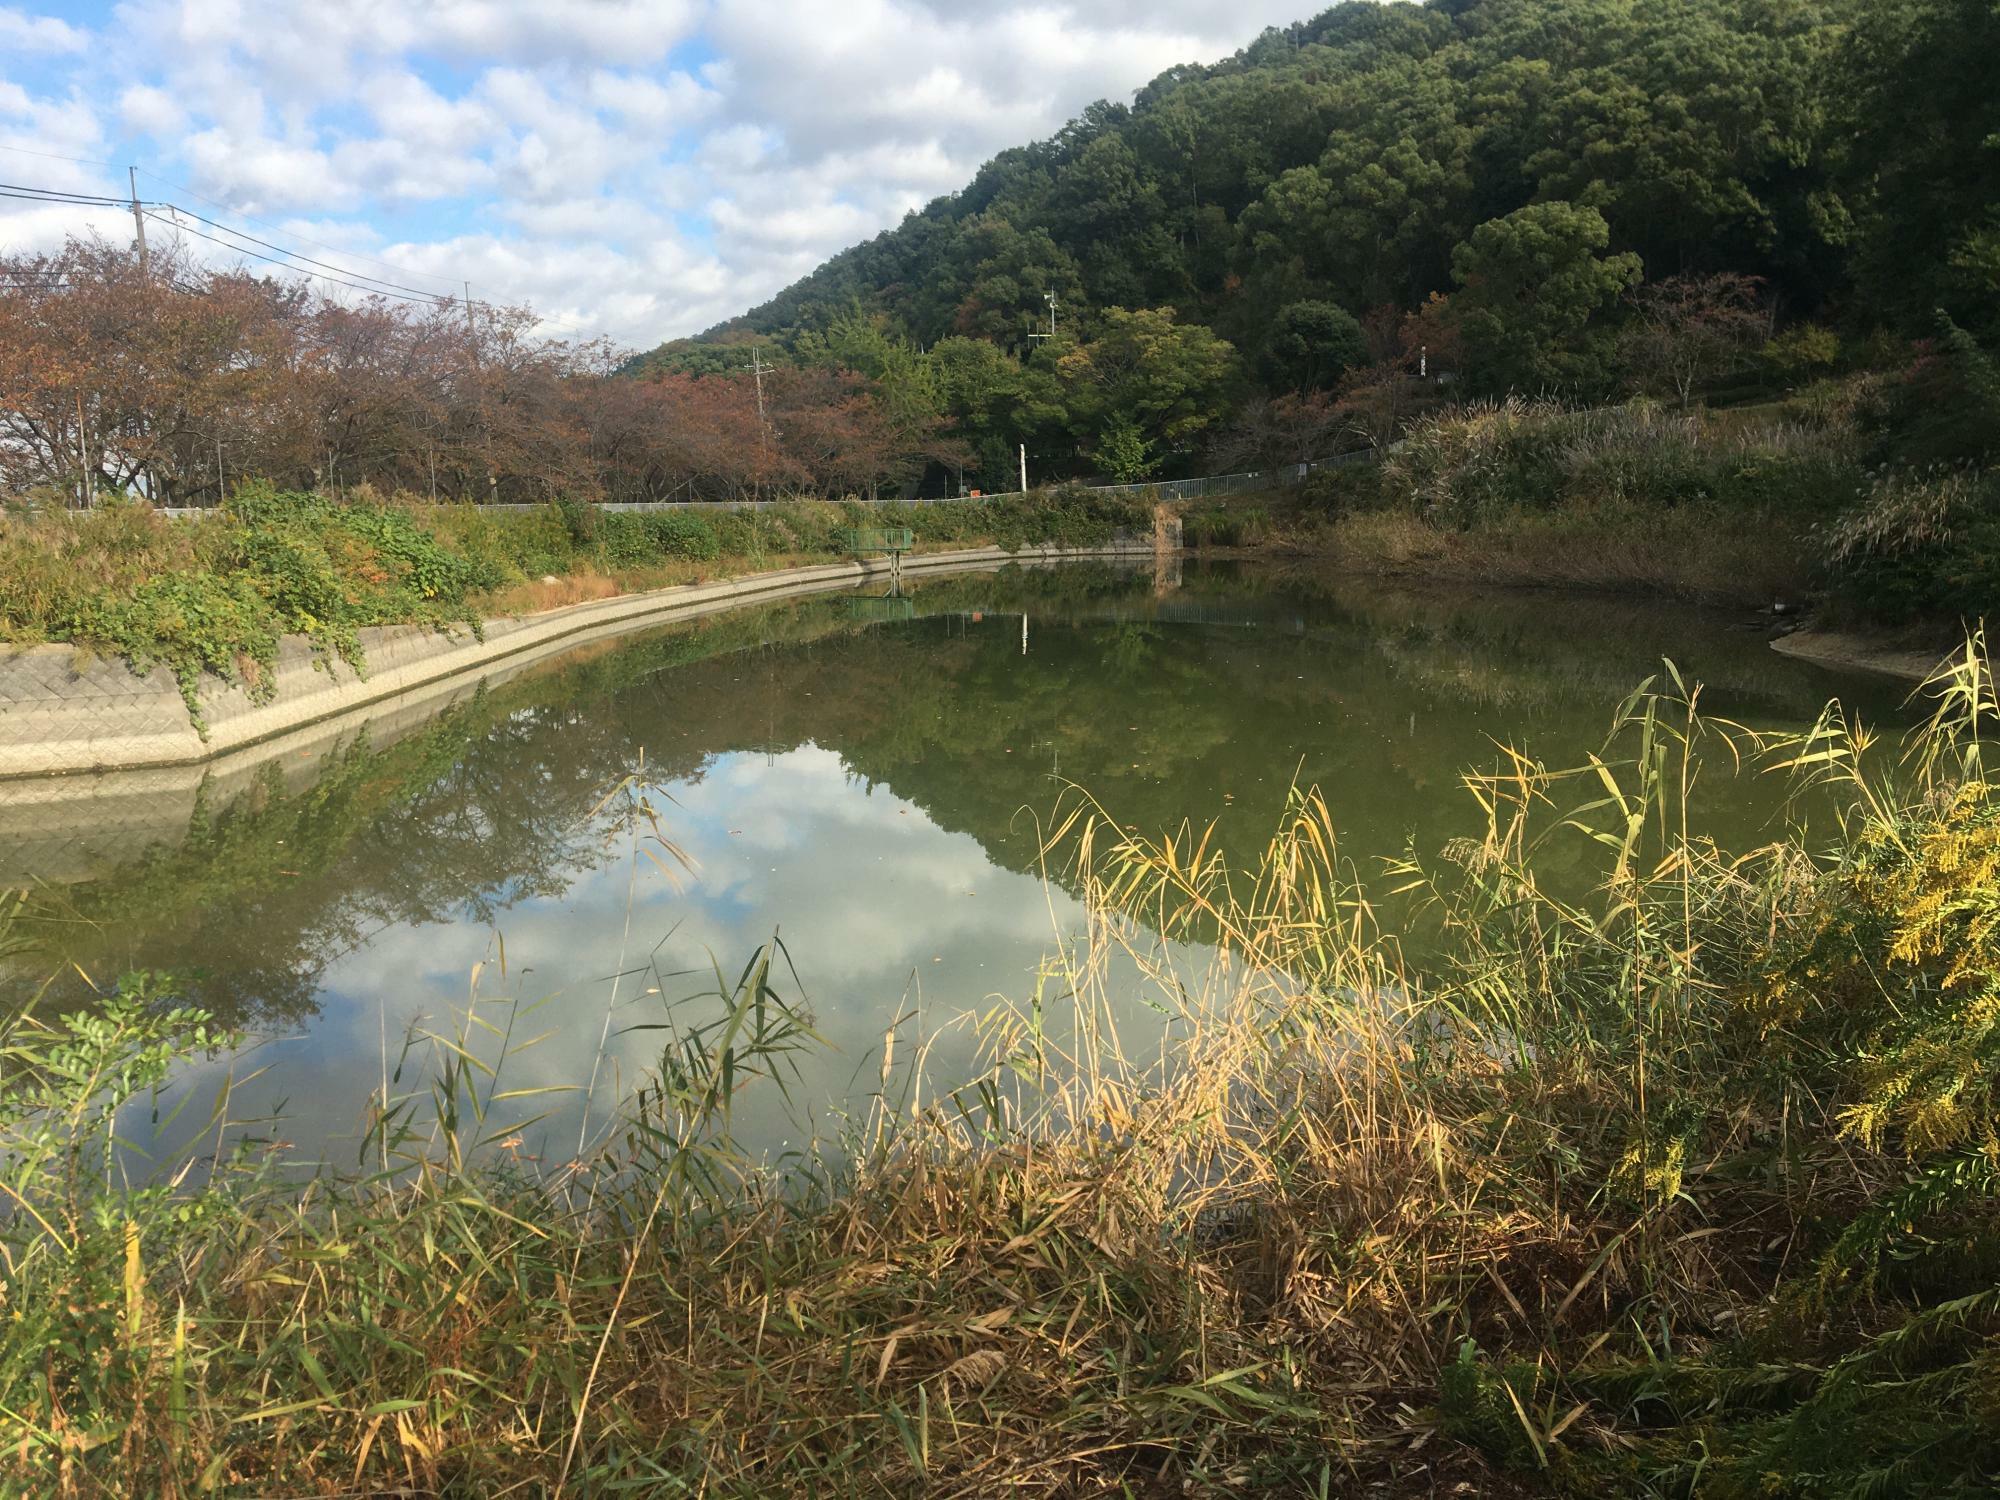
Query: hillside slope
<point x="1489" y="179"/>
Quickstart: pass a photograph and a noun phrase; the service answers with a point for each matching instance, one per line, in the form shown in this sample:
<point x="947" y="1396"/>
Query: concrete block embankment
<point x="63" y="711"/>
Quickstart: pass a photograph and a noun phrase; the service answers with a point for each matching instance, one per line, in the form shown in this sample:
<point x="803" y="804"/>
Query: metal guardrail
<point x="1160" y="491"/>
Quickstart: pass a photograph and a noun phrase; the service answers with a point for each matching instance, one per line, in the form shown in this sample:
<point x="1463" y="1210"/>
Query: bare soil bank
<point x="1864" y="652"/>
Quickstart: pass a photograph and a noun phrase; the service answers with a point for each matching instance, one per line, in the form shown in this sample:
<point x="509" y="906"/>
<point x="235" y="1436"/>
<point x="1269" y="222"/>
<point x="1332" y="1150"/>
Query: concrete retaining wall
<point x="62" y="711"/>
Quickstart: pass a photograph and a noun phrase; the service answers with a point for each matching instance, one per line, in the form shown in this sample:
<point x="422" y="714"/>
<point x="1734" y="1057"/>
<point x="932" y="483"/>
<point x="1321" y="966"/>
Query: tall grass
<point x="1921" y="545"/>
<point x="1668" y="1168"/>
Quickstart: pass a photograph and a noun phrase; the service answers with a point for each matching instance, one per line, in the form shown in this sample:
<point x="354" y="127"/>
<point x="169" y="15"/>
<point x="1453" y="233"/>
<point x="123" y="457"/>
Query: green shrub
<point x="1944" y="408"/>
<point x="1489" y="457"/>
<point x="1068" y="515"/>
<point x="745" y="533"/>
<point x="679" y="534"/>
<point x="189" y="623"/>
<point x="1464" y="467"/>
<point x="630" y="538"/>
<point x="1800" y="482"/>
<point x="217" y="594"/>
<point x="579" y="519"/>
<point x="940" y="525"/>
<point x="1802" y="352"/>
<point x="811" y="524"/>
<point x="508" y="545"/>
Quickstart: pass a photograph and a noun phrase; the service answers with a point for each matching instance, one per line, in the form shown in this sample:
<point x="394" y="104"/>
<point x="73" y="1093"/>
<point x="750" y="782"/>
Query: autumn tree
<point x="1689" y="329"/>
<point x="1272" y="431"/>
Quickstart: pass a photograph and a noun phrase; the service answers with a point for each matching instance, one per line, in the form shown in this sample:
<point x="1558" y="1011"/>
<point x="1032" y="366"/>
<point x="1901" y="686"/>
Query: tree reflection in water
<point x="808" y="719"/>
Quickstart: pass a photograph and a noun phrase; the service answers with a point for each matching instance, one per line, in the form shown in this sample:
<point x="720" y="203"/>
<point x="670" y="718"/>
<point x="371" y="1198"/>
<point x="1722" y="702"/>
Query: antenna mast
<point x="1049" y="297"/>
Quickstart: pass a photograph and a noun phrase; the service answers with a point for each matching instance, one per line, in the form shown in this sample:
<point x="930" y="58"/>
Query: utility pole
<point x="83" y="490"/>
<point x="139" y="220"/>
<point x="757" y="369"/>
<point x="1024" y="468"/>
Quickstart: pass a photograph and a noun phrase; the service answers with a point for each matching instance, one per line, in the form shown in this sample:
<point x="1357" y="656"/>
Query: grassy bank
<point x="214" y="595"/>
<point x="1634" y="499"/>
<point x="1684" y="1184"/>
<point x="1694" y="554"/>
<point x="1874" y="498"/>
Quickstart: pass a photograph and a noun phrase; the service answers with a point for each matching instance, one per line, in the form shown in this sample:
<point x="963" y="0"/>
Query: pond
<point x="864" y="776"/>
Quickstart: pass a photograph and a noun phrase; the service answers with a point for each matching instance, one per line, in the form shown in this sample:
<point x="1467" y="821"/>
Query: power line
<point x="282" y="257"/>
<point x="308" y="260"/>
<point x="175" y="224"/>
<point x="63" y="194"/>
<point x="81" y="161"/>
<point x="60" y="195"/>
<point x="266" y="224"/>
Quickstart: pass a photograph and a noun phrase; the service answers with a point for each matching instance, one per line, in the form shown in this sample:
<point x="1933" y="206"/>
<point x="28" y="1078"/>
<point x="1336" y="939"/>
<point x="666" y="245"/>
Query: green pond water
<point x="862" y="775"/>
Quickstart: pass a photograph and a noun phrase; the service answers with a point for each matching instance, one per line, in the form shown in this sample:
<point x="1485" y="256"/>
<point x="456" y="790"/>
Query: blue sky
<point x="631" y="168"/>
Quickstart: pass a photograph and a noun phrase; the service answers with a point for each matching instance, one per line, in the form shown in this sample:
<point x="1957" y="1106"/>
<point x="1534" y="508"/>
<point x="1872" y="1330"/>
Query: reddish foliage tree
<point x="1688" y="329"/>
<point x="1284" y="429"/>
<point x="174" y="381"/>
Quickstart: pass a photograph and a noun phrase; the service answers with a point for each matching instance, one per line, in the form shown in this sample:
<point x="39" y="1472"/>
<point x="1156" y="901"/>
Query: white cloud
<point x="567" y="153"/>
<point x="544" y="31"/>
<point x="651" y="104"/>
<point x="411" y="113"/>
<point x="265" y="173"/>
<point x="146" y="110"/>
<point x="21" y="32"/>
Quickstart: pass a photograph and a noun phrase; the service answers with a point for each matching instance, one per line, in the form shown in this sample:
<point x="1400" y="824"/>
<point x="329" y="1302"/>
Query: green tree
<point x="1813" y="145"/>
<point x="1534" y="284"/>
<point x="1123" y="452"/>
<point x="996" y="402"/>
<point x="1173" y="381"/>
<point x="1398" y="166"/>
<point x="903" y="383"/>
<point x="1002" y="296"/>
<point x="1923" y="165"/>
<point x="1312" y="345"/>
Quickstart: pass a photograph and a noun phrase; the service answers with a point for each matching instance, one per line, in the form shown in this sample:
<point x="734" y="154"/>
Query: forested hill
<point x="1508" y="169"/>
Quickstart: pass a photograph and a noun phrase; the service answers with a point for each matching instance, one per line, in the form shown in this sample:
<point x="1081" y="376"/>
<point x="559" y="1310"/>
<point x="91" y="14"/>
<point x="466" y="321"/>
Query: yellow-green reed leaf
<point x="135" y="1284"/>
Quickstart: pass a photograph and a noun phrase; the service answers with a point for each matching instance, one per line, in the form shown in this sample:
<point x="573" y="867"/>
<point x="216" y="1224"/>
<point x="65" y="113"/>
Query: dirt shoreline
<point x="1857" y="651"/>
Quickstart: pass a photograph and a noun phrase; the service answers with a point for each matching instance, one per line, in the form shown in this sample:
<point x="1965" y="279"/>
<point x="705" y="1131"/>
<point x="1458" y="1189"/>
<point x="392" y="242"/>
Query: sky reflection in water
<point x="864" y="783"/>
